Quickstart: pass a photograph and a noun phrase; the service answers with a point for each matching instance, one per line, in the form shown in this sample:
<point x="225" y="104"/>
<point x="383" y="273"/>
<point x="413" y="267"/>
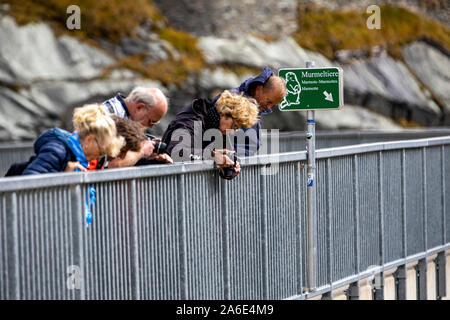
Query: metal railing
<point x="11" y="152"/>
<point x="295" y="140"/>
<point x="181" y="232"/>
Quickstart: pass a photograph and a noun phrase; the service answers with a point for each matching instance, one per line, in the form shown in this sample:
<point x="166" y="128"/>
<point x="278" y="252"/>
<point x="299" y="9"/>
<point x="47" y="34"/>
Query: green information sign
<point x="312" y="89"/>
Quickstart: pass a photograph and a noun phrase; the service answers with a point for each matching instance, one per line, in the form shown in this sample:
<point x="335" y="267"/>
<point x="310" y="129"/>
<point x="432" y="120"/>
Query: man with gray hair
<point x="144" y="105"/>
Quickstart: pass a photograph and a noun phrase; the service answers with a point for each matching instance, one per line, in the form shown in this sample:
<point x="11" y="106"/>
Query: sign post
<point x="312" y="89"/>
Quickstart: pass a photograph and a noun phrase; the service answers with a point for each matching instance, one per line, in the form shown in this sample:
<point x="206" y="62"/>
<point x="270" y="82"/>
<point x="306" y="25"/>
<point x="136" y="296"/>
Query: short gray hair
<point x="143" y="95"/>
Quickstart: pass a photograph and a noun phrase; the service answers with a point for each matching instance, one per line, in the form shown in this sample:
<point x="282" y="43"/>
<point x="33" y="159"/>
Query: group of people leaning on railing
<point x="116" y="133"/>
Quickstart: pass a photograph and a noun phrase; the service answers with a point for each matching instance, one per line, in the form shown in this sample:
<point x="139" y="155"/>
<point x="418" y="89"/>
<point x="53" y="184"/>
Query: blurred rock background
<point x="394" y="77"/>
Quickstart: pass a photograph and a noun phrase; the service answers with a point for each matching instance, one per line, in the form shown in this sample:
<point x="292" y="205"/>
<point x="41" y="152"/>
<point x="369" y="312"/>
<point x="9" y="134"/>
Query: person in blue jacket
<point x="268" y="90"/>
<point x="58" y="150"/>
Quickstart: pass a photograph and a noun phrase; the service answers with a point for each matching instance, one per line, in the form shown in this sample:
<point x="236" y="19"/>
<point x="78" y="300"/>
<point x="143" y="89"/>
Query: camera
<point x="160" y="147"/>
<point x="228" y="172"/>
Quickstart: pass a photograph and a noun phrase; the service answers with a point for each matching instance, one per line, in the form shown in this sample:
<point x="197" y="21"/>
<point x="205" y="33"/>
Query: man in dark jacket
<point x="198" y="111"/>
<point x="268" y="90"/>
<point x="189" y="137"/>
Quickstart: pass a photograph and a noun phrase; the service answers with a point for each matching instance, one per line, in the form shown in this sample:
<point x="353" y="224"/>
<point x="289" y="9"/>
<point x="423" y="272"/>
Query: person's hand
<point x="72" y="165"/>
<point x="147" y="148"/>
<point x="221" y="159"/>
<point x="237" y="169"/>
<point x="164" y="158"/>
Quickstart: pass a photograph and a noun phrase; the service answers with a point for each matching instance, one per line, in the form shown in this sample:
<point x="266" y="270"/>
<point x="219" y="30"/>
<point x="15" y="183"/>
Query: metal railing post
<point x="13" y="248"/>
<point x="353" y="291"/>
<point x="298" y="220"/>
<point x="421" y="276"/>
<point x="441" y="279"/>
<point x="225" y="239"/>
<point x="444" y="188"/>
<point x="134" y="250"/>
<point x="311" y="202"/>
<point x="378" y="289"/>
<point x="78" y="226"/>
<point x="264" y="236"/>
<point x="330" y="255"/>
<point x="400" y="283"/>
<point x="182" y="235"/>
<point x="356" y="227"/>
<point x="327" y="296"/>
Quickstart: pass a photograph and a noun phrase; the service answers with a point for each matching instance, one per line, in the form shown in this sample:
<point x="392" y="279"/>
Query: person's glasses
<point x="153" y="122"/>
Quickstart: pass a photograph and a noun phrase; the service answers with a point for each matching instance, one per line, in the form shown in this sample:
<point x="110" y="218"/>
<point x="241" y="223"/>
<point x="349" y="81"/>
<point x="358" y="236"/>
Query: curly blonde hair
<point x="243" y="110"/>
<point x="93" y="119"/>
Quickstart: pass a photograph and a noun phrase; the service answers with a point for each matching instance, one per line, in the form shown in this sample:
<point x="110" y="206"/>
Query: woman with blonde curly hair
<point x="58" y="150"/>
<point x="229" y="113"/>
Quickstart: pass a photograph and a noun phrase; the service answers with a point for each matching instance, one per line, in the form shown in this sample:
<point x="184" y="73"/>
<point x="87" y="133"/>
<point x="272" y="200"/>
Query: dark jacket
<point x="52" y="153"/>
<point x="199" y="110"/>
<point x="248" y="85"/>
<point x="252" y="141"/>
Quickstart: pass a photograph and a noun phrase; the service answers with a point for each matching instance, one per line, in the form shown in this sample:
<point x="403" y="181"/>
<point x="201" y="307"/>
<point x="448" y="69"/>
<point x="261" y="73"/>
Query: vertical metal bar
<point x="330" y="256"/>
<point x="356" y="213"/>
<point x="134" y="250"/>
<point x="352" y="292"/>
<point x="182" y="235"/>
<point x="404" y="230"/>
<point x="77" y="234"/>
<point x="400" y="283"/>
<point x="13" y="247"/>
<point x="441" y="279"/>
<point x="298" y="220"/>
<point x="264" y="235"/>
<point x="424" y="189"/>
<point x="312" y="243"/>
<point x="378" y="291"/>
<point x="444" y="222"/>
<point x="226" y="241"/>
<point x="421" y="274"/>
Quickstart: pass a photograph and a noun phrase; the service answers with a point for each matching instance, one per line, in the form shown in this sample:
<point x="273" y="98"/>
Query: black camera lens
<point x="228" y="172"/>
<point x="160" y="147"/>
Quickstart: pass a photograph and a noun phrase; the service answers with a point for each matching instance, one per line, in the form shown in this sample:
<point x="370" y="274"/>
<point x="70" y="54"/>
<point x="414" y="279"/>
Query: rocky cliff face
<point x="231" y="18"/>
<point x="44" y="76"/>
<point x="438" y="10"/>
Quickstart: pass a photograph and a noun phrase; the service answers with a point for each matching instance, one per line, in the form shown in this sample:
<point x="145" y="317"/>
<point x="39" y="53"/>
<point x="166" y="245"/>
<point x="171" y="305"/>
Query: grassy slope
<point x="107" y="19"/>
<point x="327" y="31"/>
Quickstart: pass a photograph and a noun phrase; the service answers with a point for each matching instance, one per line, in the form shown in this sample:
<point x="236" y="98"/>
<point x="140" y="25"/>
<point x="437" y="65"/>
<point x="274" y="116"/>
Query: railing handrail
<point x="300" y="134"/>
<point x="58" y="179"/>
<point x="368" y="132"/>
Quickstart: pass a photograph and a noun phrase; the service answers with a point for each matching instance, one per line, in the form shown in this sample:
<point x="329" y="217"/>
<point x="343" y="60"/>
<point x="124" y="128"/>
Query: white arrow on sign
<point x="328" y="96"/>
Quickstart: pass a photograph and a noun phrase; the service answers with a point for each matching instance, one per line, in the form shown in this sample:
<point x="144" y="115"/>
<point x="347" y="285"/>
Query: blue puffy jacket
<point x="52" y="153"/>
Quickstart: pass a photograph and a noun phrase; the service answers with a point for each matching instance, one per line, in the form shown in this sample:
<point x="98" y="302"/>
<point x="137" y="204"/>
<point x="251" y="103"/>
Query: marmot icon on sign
<point x="293" y="89"/>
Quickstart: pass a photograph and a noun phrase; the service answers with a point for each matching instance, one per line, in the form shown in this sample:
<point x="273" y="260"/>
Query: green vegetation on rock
<point x="112" y="20"/>
<point x="106" y="19"/>
<point x="326" y="31"/>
